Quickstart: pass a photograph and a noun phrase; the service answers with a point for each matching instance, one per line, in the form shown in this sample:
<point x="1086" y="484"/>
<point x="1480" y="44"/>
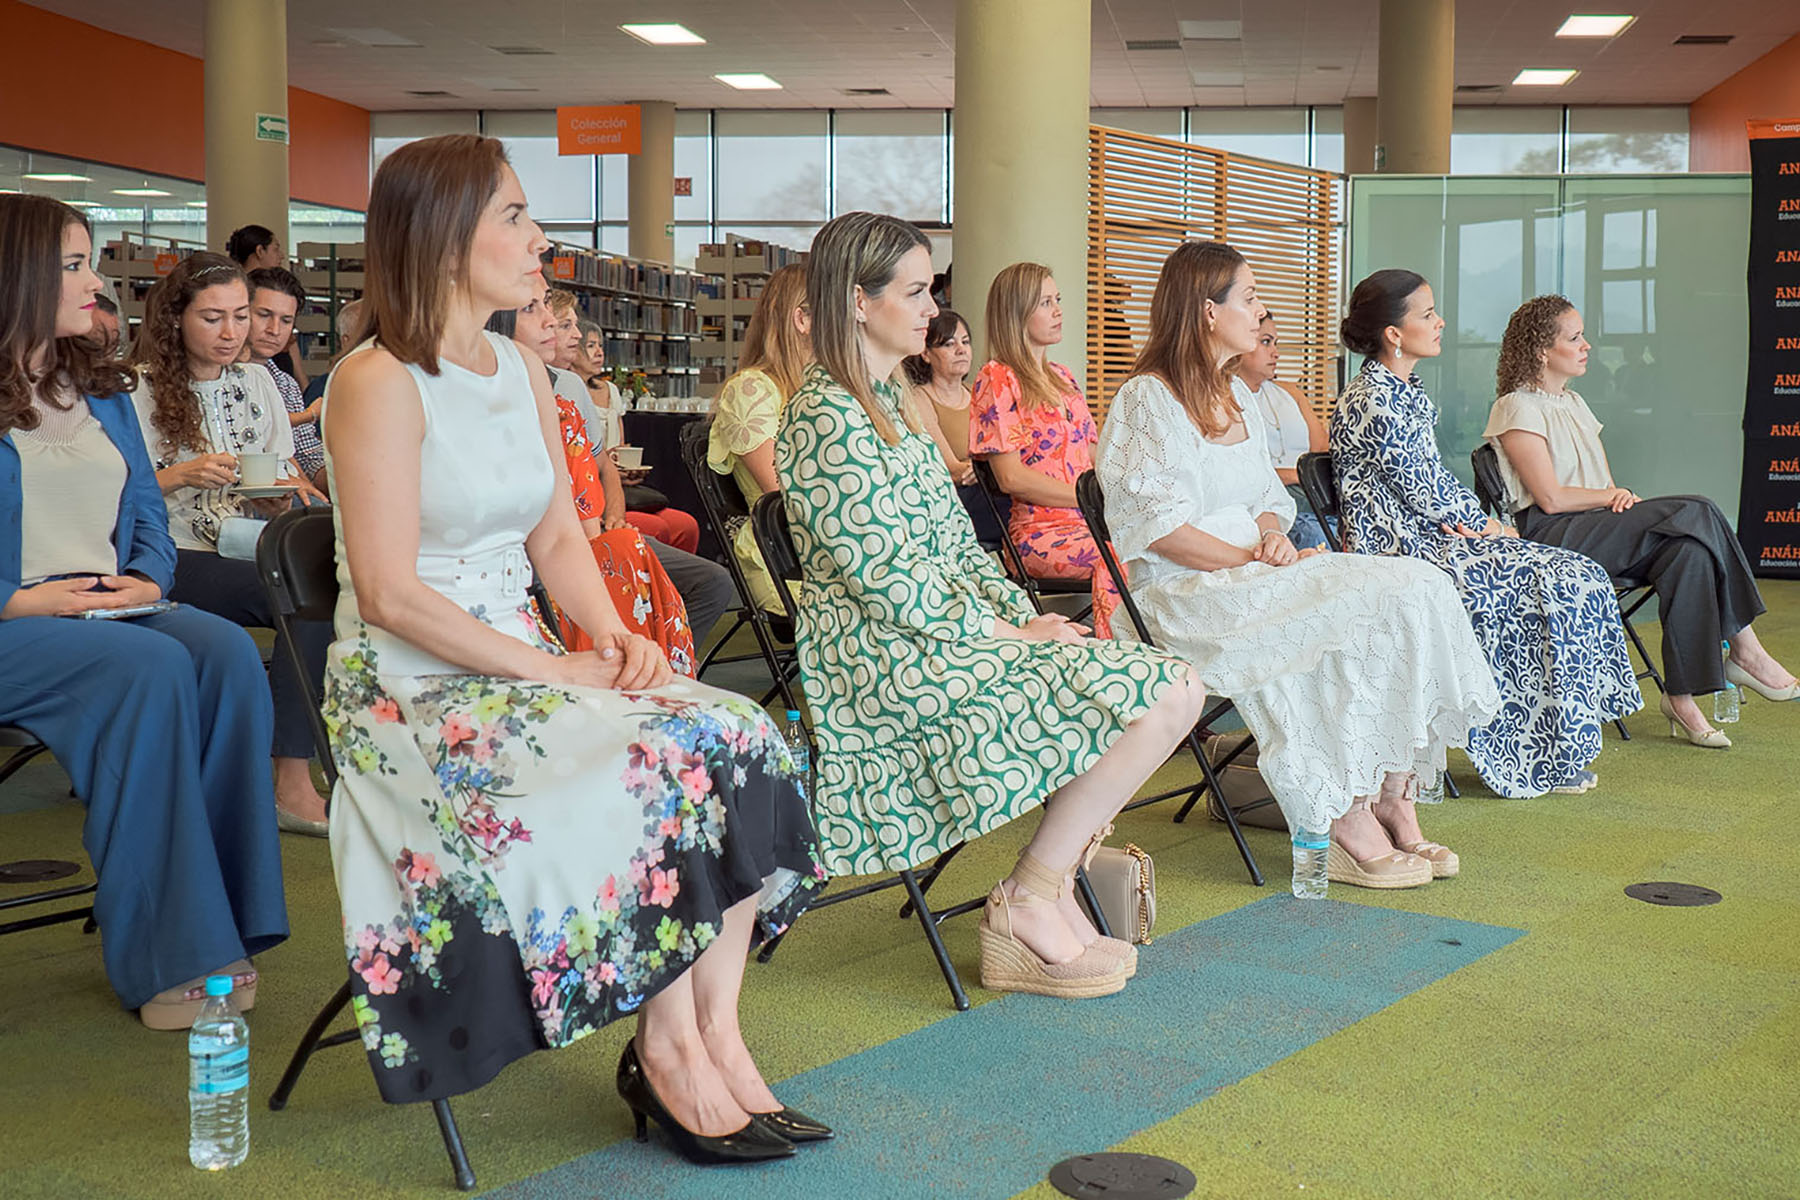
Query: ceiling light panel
<point x="752" y="81"/>
<point x="1212" y="31"/>
<point x="56" y="177"/>
<point x="665" y="35"/>
<point x="140" y="191"/>
<point x="1581" y="25"/>
<point x="1544" y="77"/>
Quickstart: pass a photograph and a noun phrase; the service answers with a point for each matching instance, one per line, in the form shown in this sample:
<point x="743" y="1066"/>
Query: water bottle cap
<point x="793" y="714"/>
<point x="218" y="985"/>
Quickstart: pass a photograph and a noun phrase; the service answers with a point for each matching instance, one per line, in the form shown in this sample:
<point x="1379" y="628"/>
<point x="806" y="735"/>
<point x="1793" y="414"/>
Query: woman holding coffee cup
<point x="222" y="447"/>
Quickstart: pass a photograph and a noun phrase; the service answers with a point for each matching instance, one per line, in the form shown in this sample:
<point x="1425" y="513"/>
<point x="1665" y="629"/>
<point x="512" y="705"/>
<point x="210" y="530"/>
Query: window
<point x="1275" y="133"/>
<point x="1627" y="140"/>
<point x="1505" y="141"/>
<point x="558" y="187"/>
<point x="771" y="166"/>
<point x="890" y="162"/>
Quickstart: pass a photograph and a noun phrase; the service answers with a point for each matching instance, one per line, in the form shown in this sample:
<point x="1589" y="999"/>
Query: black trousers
<point x="229" y="588"/>
<point x="1685" y="549"/>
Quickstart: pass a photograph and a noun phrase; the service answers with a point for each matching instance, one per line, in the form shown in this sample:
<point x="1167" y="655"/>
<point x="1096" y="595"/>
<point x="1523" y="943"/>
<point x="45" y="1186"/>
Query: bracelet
<point x="1267" y="533"/>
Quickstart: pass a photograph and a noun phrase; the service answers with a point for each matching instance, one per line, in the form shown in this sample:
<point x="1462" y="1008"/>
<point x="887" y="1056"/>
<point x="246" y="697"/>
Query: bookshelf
<point x="132" y="263"/>
<point x="645" y="311"/>
<point x="332" y="274"/>
<point x="742" y="266"/>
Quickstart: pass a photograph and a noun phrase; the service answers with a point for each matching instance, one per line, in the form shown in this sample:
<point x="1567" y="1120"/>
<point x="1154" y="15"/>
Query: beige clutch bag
<point x="1124" y="881"/>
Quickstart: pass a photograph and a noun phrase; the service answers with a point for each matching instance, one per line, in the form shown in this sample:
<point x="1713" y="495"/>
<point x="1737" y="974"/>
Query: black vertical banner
<point x="1769" y="500"/>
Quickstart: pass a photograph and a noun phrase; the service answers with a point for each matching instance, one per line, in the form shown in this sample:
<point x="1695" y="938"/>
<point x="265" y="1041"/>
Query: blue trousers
<point x="163" y="725"/>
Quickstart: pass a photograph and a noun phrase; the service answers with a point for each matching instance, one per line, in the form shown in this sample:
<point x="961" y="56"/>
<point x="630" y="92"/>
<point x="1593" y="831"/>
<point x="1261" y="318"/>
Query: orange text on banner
<point x="600" y="129"/>
<point x="562" y="267"/>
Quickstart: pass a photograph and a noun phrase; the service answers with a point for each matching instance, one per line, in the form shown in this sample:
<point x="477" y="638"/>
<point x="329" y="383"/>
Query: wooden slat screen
<point x="1147" y="194"/>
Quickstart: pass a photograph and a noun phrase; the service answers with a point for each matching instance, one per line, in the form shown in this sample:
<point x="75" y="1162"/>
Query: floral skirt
<point x="644" y="595"/>
<point x="521" y="863"/>
<point x="1064" y="549"/>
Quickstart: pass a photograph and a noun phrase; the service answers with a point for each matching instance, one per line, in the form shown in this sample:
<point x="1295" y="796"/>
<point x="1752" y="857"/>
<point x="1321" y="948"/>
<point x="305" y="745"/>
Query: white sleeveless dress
<point x="1344" y="667"/>
<point x="519" y="862"/>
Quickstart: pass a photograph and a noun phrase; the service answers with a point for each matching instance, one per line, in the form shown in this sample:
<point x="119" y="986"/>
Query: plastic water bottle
<point x="1725" y="700"/>
<point x="794" y="734"/>
<point x="218" y="1081"/>
<point x="1309" y="864"/>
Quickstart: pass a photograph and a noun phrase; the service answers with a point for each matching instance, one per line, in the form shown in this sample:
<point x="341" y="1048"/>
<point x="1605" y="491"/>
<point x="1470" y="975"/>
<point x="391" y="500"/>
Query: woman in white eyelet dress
<point x="1345" y="669"/>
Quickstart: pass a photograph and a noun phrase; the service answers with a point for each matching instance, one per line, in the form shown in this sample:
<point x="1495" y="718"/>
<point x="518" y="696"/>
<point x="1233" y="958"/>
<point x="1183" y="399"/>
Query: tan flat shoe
<point x="1443" y="860"/>
<point x="1395" y="869"/>
<point x="1009" y="965"/>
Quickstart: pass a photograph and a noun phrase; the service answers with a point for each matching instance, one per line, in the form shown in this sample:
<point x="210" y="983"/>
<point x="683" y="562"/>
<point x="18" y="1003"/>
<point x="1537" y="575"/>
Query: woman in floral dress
<point x="642" y="592"/>
<point x="527" y="844"/>
<point x="943" y="706"/>
<point x="1029" y="421"/>
<point x="1546" y="617"/>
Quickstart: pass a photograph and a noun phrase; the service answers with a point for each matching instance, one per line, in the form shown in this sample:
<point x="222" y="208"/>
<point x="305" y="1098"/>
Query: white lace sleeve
<point x="1145" y="497"/>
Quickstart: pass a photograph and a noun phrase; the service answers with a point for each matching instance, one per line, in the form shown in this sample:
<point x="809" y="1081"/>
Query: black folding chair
<point x="1318" y="479"/>
<point x="296" y="561"/>
<point x="1091" y="500"/>
<point x="25" y="747"/>
<point x="722" y="508"/>
<point x="769" y="525"/>
<point x="1010" y="558"/>
<point x="1631" y="594"/>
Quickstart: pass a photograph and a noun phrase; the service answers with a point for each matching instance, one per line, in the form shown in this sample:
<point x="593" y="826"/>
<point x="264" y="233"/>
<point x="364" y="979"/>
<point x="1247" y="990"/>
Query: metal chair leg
<point x="309" y="1041"/>
<point x="1210" y="781"/>
<point x="1450" y="788"/>
<point x="453" y="1145"/>
<point x="931" y="875"/>
<point x="1091" y="902"/>
<point x="957" y="995"/>
<point x="1624" y="733"/>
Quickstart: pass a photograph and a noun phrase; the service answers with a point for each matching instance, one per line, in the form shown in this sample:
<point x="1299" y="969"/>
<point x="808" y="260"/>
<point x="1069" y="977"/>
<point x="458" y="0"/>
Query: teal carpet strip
<point x="981" y="1104"/>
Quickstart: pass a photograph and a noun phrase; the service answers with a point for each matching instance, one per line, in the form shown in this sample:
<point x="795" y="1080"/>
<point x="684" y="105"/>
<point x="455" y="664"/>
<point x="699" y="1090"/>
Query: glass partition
<point x="1656" y="267"/>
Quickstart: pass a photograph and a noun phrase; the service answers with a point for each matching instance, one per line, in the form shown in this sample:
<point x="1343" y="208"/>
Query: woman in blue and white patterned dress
<point x="1546" y="617"/>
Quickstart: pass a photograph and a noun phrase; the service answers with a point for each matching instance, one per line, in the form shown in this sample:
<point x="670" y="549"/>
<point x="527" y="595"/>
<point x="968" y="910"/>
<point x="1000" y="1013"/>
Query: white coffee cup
<point x="257" y="470"/>
<point x="629" y="458"/>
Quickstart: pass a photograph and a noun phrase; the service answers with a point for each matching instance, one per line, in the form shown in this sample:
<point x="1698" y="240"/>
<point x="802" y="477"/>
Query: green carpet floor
<point x="1616" y="1050"/>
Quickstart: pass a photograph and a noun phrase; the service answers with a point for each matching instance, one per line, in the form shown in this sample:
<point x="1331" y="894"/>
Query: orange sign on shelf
<point x="165" y="262"/>
<point x="600" y="129"/>
<point x="562" y="267"/>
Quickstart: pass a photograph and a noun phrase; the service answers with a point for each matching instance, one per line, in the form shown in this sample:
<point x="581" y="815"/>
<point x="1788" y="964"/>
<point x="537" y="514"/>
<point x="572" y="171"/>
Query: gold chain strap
<point x="1143" y="915"/>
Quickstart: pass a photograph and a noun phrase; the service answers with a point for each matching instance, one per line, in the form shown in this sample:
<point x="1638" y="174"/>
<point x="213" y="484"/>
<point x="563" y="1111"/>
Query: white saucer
<point x="265" y="491"/>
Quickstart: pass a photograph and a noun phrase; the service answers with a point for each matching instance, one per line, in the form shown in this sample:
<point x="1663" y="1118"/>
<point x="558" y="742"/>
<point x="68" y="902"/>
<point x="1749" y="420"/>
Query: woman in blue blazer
<point x="162" y="721"/>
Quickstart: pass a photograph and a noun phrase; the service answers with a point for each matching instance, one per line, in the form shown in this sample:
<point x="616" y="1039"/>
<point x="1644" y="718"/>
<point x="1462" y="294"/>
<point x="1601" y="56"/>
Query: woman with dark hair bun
<point x="1561" y="490"/>
<point x="1354" y="674"/>
<point x="161" y="719"/>
<point x="1546" y="618"/>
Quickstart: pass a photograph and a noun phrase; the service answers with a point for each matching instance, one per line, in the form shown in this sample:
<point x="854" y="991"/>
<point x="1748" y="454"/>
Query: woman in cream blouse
<point x="1559" y="484"/>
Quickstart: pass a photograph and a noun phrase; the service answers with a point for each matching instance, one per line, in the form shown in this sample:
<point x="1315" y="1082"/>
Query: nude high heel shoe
<point x="1709" y="737"/>
<point x="1745" y="679"/>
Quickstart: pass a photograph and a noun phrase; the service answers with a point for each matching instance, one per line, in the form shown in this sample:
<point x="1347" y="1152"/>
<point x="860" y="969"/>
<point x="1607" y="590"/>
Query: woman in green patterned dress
<point x="944" y="705"/>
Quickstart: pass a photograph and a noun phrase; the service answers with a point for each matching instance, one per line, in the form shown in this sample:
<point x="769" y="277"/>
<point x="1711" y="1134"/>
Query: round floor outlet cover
<point x="1122" y="1177"/>
<point x="1680" y="895"/>
<point x="36" y="870"/>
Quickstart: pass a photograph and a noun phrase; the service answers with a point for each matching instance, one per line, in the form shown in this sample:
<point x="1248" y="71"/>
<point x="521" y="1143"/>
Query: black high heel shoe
<point x="794" y="1126"/>
<point x="755" y="1142"/>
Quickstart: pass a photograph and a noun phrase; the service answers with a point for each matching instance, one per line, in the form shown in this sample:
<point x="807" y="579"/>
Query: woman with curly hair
<point x="198" y="409"/>
<point x="159" y="719"/>
<point x="1562" y="492"/>
<point x="1545" y="617"/>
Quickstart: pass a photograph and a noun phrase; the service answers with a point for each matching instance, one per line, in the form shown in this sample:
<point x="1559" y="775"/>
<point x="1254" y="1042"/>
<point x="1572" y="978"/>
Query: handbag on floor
<point x="1124" y="881"/>
<point x="1243" y="785"/>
